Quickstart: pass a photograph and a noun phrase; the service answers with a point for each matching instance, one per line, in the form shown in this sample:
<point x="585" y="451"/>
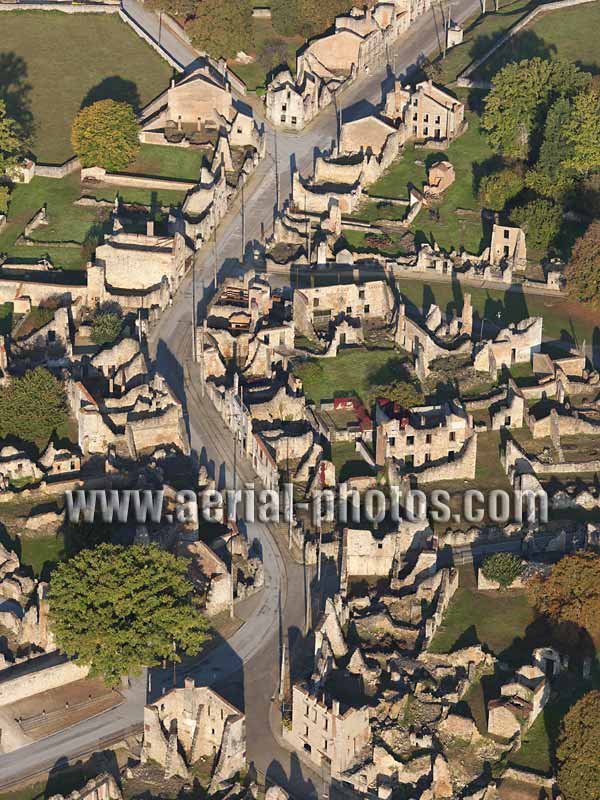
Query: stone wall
<point x="135" y="181"/>
<point x="12" y="288"/>
<point x="109" y="7"/>
<point x="462" y="468"/>
<point x="41" y="680"/>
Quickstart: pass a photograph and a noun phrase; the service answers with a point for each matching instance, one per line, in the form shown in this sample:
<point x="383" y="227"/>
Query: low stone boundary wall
<point x="57" y="170"/>
<point x="40" y="680"/>
<point x="463" y="79"/>
<point x="137" y="181"/>
<point x="66" y="8"/>
<point x="12" y="288"/>
<point x="147" y="37"/>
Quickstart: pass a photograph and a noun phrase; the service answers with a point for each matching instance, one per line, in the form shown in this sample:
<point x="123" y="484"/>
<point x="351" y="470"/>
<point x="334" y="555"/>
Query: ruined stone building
<point x="195" y="722"/>
<point x="425" y="113"/>
<point x="515" y="344"/>
<point x="508" y="248"/>
<point x="358" y="43"/>
<point x="420" y="436"/>
<point x="120" y="403"/>
<point x="199" y="106"/>
<point x="102" y="787"/>
<point x="315" y="307"/>
<point x="327" y="731"/>
<point x="138" y="270"/>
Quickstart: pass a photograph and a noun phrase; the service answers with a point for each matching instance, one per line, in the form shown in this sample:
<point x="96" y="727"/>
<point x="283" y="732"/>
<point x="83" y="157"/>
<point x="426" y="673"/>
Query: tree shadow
<point x="16" y="91"/>
<point x="114" y="88"/>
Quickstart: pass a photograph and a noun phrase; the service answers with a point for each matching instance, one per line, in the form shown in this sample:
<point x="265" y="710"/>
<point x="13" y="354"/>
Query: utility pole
<point x="276" y="176"/>
<point x="243" y="224"/>
<point x="194" y="332"/>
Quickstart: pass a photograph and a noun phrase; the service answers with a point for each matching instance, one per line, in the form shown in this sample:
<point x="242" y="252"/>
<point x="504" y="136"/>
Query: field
<point x="570" y="33"/>
<point x="179" y="163"/>
<point x="459" y="224"/>
<point x="53" y="63"/>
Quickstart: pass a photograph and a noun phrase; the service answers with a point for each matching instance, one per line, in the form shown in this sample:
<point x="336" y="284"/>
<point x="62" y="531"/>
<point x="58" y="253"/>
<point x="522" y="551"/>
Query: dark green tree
<point x="105" y="134"/>
<point x="118" y="609"/>
<point x="406" y="393"/>
<point x="32" y="407"/>
<point x="12" y="145"/>
<point x="222" y="27"/>
<point x="518" y="102"/>
<point x="550" y="176"/>
<point x="577" y="753"/>
<point x="178" y="8"/>
<point x="541" y="221"/>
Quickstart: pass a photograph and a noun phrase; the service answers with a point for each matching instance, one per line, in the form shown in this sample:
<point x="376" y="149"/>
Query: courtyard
<point x="454" y="223"/>
<point x="53" y="63"/>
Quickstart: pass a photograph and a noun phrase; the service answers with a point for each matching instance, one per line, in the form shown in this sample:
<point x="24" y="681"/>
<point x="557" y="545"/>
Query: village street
<point x="249" y="660"/>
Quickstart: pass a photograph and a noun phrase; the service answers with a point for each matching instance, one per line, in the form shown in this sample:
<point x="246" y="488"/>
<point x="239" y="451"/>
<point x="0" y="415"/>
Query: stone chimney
<point x="150" y="227"/>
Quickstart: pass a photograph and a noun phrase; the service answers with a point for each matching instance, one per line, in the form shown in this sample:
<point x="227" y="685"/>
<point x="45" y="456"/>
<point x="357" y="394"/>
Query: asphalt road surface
<point x="246" y="666"/>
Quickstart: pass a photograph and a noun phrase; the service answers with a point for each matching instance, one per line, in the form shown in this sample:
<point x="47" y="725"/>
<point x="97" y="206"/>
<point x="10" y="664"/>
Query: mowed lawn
<point x="571" y="33"/>
<point x="459" y="223"/>
<point x="53" y="63"/>
<point x="168" y="162"/>
<point x="352" y="372"/>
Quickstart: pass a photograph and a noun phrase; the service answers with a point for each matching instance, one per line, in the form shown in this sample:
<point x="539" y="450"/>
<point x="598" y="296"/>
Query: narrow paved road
<point x="245" y="666"/>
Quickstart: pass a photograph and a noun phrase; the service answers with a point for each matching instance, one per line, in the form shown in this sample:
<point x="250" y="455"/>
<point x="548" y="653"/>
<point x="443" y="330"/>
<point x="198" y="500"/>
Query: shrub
<point x="105" y="328"/>
<point x="504" y="568"/>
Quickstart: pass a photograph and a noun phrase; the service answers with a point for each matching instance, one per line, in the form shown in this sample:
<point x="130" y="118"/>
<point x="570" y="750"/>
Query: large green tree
<point x="518" y="102"/>
<point x="12" y="145"/>
<point x="540" y="219"/>
<point x="551" y="177"/>
<point x="318" y="15"/>
<point x="32" y="407"/>
<point x="222" y="27"/>
<point x="577" y="753"/>
<point x="498" y="188"/>
<point x="178" y="8"/>
<point x="105" y="134"/>
<point x="583" y="270"/>
<point x="118" y="609"/>
<point x="582" y="133"/>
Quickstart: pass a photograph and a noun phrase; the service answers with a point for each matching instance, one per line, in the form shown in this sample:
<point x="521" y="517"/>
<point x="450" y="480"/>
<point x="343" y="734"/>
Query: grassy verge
<point x="481" y="31"/>
<point x="42" y="53"/>
<point x="570" y="33"/>
<point x="5" y="318"/>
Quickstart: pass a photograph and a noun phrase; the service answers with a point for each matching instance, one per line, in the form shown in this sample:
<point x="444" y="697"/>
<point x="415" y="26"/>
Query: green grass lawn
<point x="42" y="553"/>
<point x="357" y="241"/>
<point x="453" y="229"/>
<point x="255" y="75"/>
<point x="5" y="318"/>
<point x="570" y="33"/>
<point x="57" y="62"/>
<point x="352" y="372"/>
<point x="145" y="197"/>
<point x="179" y="163"/>
<point x="66" y="221"/>
<point x="481" y="31"/>
<point x="499" y="622"/>
<point x="348" y="463"/>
